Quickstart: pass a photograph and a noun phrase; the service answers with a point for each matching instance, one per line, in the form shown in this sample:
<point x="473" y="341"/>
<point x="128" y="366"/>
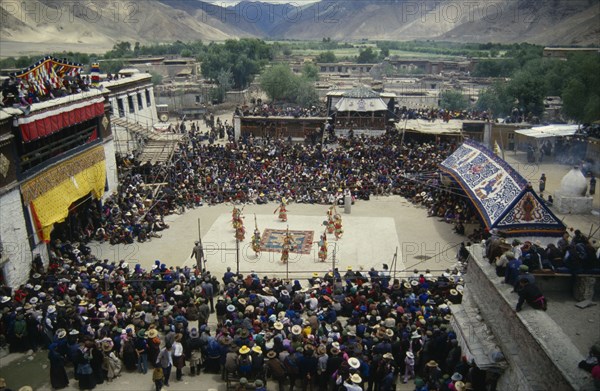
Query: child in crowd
<point x="158" y="377"/>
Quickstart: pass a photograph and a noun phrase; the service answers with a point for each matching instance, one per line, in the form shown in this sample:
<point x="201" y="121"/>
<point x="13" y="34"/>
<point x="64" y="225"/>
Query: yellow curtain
<point x="52" y="205"/>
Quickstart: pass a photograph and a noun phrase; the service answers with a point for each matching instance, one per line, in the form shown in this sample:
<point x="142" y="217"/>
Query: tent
<point x="451" y="128"/>
<point x="502" y="197"/>
<point x="549" y="131"/>
<point x="361" y="99"/>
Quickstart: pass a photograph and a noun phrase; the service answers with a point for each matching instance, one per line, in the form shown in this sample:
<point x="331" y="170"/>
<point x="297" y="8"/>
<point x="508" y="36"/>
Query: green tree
<point x="530" y="90"/>
<point x="327" y="56"/>
<point x="156" y="78"/>
<point x="310" y="72"/>
<point x="581" y="100"/>
<point x="453" y="100"/>
<point x="224" y="83"/>
<point x="306" y="93"/>
<point x="278" y="82"/>
<point x="367" y="56"/>
<point x="495" y="99"/>
<point x="384" y="53"/>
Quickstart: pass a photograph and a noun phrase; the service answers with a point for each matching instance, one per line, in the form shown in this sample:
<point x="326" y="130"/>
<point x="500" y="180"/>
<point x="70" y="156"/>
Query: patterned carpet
<point x="272" y="241"/>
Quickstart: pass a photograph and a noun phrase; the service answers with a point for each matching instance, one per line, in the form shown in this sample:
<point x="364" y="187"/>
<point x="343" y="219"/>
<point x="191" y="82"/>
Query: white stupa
<point x="573" y="183"/>
<point x="570" y="198"/>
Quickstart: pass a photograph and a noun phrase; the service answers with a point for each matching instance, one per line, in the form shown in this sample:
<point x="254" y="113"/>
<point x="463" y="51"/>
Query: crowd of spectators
<point x="359" y="330"/>
<point x="16" y="91"/>
<point x="574" y="253"/>
<point x="272" y="110"/>
<point x="432" y="114"/>
<point x="254" y="171"/>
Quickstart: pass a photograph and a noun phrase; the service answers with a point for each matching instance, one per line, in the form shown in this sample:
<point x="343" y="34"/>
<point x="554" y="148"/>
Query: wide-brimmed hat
<point x="106" y="346"/>
<point x="271" y="354"/>
<point x="432" y="364"/>
<point x="244" y="350"/>
<point x="410" y="355"/>
<point x="355" y="378"/>
<point x="296" y="329"/>
<point x="456" y="376"/>
<point x="389" y="333"/>
<point x="459" y="385"/>
<point x="354" y="362"/>
<point x="415" y="335"/>
<point x="257" y="349"/>
<point x="152" y="333"/>
<point x="4" y="299"/>
<point x="388" y="356"/>
<point x="335" y="351"/>
<point x="453" y="292"/>
<point x="26" y="388"/>
<point x="231" y="308"/>
<point x="61" y="333"/>
<point x="142" y="334"/>
<point x="242" y="301"/>
<point x="278" y="325"/>
<point x="414" y="283"/>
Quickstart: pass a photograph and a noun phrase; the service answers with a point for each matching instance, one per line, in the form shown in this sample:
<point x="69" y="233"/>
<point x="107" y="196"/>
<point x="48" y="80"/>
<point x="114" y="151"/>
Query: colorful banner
<point x="503" y="198"/>
<point x="46" y="74"/>
<point x="42" y="124"/>
<point x="50" y="194"/>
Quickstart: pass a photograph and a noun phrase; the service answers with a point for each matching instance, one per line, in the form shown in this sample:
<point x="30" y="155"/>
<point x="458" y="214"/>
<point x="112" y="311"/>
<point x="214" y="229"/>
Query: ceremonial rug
<point x="272" y="241"/>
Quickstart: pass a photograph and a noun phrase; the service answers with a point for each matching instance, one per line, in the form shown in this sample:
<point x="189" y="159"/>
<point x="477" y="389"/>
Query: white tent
<point x="452" y="127"/>
<point x="549" y="131"/>
<point x="361" y="105"/>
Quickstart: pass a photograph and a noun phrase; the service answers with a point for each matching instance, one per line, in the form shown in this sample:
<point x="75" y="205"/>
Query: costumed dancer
<point x="288" y="242"/>
<point x="256" y="238"/>
<point x="95" y="74"/>
<point x="330" y="219"/>
<point x="282" y="210"/>
<point x="323" y="247"/>
<point x="240" y="231"/>
<point x="339" y="231"/>
<point x="236" y="216"/>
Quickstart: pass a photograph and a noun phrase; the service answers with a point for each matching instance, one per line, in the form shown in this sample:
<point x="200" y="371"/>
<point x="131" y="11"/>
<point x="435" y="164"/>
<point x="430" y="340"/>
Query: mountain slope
<point x="554" y="22"/>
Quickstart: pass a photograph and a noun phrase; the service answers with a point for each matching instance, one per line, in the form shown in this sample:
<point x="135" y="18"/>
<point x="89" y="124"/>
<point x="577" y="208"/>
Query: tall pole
<point x="237" y="256"/>
<point x="333" y="260"/>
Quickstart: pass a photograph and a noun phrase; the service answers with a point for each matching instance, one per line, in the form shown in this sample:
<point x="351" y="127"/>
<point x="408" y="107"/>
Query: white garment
<point x="177" y="349"/>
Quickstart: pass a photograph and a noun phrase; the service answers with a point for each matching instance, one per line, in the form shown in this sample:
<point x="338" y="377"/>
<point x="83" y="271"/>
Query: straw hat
<point x="26" y="388"/>
<point x="296" y="329"/>
<point x="432" y="364"/>
<point x="244" y="350"/>
<point x="355" y="378"/>
<point x="61" y="333"/>
<point x="271" y="354"/>
<point x="388" y="356"/>
<point x="354" y="363"/>
<point x="257" y="349"/>
<point x="410" y="355"/>
<point x="459" y="385"/>
<point x="278" y="325"/>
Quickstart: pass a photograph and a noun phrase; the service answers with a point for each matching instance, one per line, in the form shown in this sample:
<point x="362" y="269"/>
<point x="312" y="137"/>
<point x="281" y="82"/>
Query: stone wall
<point x="540" y="355"/>
<point x="15" y="242"/>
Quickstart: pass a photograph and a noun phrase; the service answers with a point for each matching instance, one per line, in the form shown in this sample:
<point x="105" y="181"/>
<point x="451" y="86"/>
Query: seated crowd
<point x="261" y="173"/>
<point x="356" y="331"/>
<point x="518" y="262"/>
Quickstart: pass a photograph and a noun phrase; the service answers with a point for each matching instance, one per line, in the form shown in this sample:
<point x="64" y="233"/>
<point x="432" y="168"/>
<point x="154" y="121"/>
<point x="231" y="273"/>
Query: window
<point x="120" y="107"/>
<point x="197" y="98"/>
<point x="139" y="99"/>
<point x="130" y="103"/>
<point x="148" y="101"/>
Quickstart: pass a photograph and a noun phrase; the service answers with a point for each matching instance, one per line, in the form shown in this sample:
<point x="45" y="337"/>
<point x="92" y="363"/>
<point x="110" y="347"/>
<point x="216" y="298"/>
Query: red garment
<point x="596" y="372"/>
